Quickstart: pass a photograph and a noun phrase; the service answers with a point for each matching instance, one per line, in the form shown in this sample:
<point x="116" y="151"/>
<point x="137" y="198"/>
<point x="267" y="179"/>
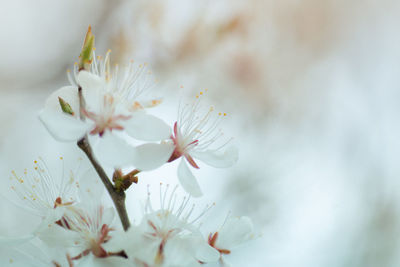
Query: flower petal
<point x="63" y="127"/>
<point x="206" y="253"/>
<point x="217" y="158"/>
<point x="69" y="94"/>
<point x="151" y="156"/>
<point x="187" y="180"/>
<point x="113" y="150"/>
<point x="235" y="231"/>
<point x="92" y="89"/>
<point x="146" y="127"/>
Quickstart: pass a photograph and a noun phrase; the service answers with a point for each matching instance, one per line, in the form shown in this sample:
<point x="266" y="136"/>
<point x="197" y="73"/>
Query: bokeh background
<point x="311" y="89"/>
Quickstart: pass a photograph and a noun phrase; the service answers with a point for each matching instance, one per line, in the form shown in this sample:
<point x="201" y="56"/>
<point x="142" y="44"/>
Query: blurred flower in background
<point x="311" y="92"/>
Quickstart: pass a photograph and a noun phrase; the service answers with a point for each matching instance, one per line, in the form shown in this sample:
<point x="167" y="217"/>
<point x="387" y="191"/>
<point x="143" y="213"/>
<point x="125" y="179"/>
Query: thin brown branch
<point x="118" y="197"/>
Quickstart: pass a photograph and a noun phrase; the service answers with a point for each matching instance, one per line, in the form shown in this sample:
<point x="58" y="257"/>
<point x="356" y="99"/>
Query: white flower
<point x="234" y="232"/>
<point x="196" y="136"/>
<point x="87" y="229"/>
<point x="44" y="194"/>
<point x="167" y="236"/>
<point x="113" y="102"/>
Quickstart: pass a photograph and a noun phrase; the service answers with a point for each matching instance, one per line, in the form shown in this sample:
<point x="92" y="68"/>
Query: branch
<point x="118" y="197"/>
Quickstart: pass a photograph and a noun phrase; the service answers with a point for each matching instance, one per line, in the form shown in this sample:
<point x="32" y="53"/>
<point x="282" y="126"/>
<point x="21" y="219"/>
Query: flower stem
<point x="118" y="197"/>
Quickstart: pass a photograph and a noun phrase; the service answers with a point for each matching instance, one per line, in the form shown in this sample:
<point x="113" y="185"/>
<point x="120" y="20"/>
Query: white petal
<point x="151" y="156"/>
<point x="63" y="127"/>
<point x="56" y="236"/>
<point x="235" y="231"/>
<point x="108" y="216"/>
<point x="146" y="127"/>
<point x="206" y="253"/>
<point x="67" y="93"/>
<point x="218" y="159"/>
<point x="113" y="150"/>
<point x="187" y="180"/>
<point x="91" y="189"/>
<point x="92" y="89"/>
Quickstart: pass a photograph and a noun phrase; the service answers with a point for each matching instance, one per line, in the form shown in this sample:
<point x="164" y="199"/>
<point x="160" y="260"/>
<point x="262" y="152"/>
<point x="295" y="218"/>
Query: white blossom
<point x="44" y="194"/>
<point x="168" y="236"/>
<point x="196" y="136"/>
<point x="234" y="232"/>
<point x="114" y="102"/>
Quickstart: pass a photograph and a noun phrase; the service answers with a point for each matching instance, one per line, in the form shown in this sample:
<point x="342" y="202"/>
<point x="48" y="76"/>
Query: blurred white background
<point x="311" y="89"/>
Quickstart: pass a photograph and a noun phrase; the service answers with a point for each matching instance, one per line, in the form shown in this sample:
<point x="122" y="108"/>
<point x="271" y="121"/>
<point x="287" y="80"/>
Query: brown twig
<point x="117" y="197"/>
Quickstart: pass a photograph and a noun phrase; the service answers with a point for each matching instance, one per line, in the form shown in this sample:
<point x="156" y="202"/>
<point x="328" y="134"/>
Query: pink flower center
<point x="106" y="120"/>
<point x="182" y="149"/>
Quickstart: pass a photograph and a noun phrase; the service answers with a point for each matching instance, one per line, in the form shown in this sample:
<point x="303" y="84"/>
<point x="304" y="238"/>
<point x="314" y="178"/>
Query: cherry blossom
<point x="234" y="232"/>
<point x="196" y="136"/>
<point x="115" y="101"/>
<point x="169" y="236"/>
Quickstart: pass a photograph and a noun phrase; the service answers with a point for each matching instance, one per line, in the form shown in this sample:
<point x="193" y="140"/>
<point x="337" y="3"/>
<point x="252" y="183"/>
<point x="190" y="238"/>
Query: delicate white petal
<point x="146" y="127"/>
<point x="113" y="150"/>
<point x="92" y="89"/>
<point x="68" y="94"/>
<point x="91" y="189"/>
<point x="54" y="235"/>
<point x="187" y="180"/>
<point x="151" y="156"/>
<point x="235" y="231"/>
<point x="225" y="263"/>
<point x="206" y="253"/>
<point x="63" y="127"/>
<point x="108" y="216"/>
<point x="218" y="159"/>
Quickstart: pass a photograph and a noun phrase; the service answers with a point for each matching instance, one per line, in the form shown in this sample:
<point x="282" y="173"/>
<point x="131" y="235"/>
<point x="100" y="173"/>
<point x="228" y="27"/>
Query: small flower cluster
<point x="106" y="108"/>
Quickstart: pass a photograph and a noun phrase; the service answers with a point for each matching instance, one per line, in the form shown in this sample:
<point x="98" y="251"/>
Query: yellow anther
<point x="35" y="162"/>
<point x="224" y="114"/>
<point x="61" y="158"/>
<point x="109" y="51"/>
<point x="36" y="168"/>
<point x="94" y="48"/>
<point x="220" y="113"/>
<point x="75" y="63"/>
<point x="206" y="90"/>
<point x="197" y="96"/>
<point x="201" y="93"/>
<point x="21" y="181"/>
<point x="68" y="70"/>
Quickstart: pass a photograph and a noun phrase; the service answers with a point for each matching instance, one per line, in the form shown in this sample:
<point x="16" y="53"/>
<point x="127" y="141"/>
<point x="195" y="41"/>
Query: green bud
<point x="85" y="58"/>
<point x="66" y="108"/>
